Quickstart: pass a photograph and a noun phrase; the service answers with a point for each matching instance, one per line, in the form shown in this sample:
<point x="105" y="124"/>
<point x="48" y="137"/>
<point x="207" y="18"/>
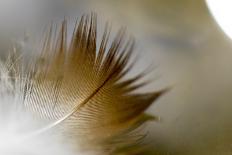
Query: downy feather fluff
<point x="74" y="97"/>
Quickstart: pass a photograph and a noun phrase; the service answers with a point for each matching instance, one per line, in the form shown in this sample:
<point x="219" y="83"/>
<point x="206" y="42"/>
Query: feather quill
<point x="79" y="92"/>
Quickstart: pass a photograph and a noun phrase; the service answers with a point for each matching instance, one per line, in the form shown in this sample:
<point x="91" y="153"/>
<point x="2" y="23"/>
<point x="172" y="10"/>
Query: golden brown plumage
<point x="80" y="91"/>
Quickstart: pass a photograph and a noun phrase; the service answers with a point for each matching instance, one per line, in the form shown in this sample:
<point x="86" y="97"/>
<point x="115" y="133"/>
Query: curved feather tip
<point x="74" y="98"/>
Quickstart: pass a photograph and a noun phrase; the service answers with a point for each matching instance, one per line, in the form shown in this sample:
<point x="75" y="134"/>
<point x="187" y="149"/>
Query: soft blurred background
<point x="180" y="39"/>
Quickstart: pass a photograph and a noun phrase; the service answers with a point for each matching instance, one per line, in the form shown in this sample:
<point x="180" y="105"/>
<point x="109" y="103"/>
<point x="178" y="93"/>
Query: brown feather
<point x="82" y="90"/>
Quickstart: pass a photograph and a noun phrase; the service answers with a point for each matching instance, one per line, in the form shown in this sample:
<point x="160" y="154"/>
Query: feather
<point x="79" y="92"/>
